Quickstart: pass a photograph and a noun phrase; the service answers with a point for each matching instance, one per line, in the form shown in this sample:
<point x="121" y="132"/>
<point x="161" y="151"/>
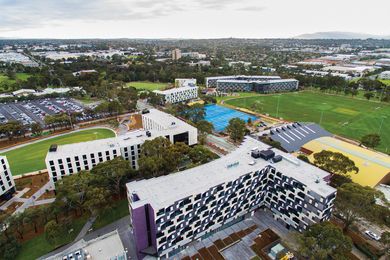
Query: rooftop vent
<point x="53" y="148"/>
<point x="145" y="111"/>
<point x="148" y="134"/>
<point x="277" y="158"/>
<point x="267" y="154"/>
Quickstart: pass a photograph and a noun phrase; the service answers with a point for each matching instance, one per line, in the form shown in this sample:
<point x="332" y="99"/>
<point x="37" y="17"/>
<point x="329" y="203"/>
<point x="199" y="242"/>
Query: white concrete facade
<point x="176" y="95"/>
<point x="7" y="183"/>
<point x="72" y="158"/>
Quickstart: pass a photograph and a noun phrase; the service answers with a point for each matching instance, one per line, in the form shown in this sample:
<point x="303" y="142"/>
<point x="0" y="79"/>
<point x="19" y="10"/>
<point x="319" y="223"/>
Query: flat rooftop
<point x="244" y="76"/>
<point x="174" y="90"/>
<point x="165" y="190"/>
<point x="128" y="139"/>
<point x="165" y="120"/>
<point x="256" y="81"/>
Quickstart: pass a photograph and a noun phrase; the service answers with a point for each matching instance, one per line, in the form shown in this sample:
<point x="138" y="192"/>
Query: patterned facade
<point x="163" y="229"/>
<point x="7" y="184"/>
<point x="268" y="86"/>
<point x="176" y="95"/>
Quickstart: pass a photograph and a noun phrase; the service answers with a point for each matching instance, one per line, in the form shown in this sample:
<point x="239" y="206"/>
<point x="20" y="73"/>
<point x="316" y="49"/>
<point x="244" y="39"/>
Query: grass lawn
<point x="341" y="115"/>
<point x="32" y="157"/>
<point x="147" y="85"/>
<point x="38" y="246"/>
<point x="385" y="81"/>
<point x="118" y="210"/>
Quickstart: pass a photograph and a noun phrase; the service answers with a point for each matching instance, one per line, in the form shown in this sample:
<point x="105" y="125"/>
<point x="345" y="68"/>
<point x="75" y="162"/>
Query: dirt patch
<point x="34" y="182"/>
<point x="14" y="205"/>
<point x="47" y="195"/>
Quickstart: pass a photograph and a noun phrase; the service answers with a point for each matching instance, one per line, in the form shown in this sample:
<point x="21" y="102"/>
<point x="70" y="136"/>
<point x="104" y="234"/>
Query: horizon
<point x="194" y="19"/>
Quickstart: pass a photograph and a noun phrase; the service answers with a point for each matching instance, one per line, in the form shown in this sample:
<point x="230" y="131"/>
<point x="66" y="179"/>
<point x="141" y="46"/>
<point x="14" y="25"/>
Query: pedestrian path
<point x="16" y="198"/>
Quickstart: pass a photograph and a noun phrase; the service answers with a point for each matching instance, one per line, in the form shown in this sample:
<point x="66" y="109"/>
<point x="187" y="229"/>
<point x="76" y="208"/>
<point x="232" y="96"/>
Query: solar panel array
<point x="293" y="136"/>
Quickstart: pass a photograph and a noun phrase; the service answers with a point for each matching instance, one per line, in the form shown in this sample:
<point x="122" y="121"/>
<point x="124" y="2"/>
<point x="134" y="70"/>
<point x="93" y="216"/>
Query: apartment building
<point x="7" y="184"/>
<point x="170" y="211"/>
<point x="176" y="54"/>
<point x="211" y="82"/>
<point x="67" y="159"/>
<point x="185" y="82"/>
<point x="268" y="86"/>
<point x="177" y="95"/>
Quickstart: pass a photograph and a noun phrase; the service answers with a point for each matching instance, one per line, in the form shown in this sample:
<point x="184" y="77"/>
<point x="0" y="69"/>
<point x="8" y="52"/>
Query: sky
<point x="190" y="18"/>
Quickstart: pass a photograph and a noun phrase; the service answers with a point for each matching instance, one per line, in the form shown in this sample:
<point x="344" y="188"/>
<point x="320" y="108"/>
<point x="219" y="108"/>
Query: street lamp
<point x="380" y="127"/>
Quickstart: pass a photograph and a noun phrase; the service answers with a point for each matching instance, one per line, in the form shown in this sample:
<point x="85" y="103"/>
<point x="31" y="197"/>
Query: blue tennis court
<point x="219" y="116"/>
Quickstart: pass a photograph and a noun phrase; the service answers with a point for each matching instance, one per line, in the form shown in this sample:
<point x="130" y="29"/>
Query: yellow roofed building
<point x="374" y="167"/>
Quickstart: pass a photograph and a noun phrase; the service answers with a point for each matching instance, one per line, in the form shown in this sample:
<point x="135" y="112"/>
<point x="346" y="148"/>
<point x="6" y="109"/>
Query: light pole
<point x="277" y="108"/>
<point x="322" y="114"/>
<point x="380" y="127"/>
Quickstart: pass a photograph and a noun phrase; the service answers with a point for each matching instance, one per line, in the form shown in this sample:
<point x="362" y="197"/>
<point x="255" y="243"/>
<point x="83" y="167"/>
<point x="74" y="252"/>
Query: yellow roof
<point x="374" y="168"/>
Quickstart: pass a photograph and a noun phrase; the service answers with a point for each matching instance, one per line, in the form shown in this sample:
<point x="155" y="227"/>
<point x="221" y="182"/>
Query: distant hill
<point x="340" y="35"/>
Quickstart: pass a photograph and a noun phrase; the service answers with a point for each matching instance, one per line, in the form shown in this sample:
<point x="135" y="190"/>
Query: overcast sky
<point x="189" y="18"/>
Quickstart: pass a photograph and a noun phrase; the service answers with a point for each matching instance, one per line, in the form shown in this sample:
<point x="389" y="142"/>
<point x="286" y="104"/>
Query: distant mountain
<point x="340" y="35"/>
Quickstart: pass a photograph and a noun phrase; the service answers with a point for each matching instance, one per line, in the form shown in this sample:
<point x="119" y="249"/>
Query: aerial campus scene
<point x="194" y="130"/>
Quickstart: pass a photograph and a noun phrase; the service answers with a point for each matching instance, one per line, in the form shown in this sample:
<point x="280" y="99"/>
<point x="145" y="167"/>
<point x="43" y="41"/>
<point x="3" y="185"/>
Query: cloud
<point x="22" y="14"/>
<point x="252" y="8"/>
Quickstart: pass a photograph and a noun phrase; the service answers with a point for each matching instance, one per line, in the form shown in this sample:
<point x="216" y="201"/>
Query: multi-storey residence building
<point x="211" y="82"/>
<point x="176" y="95"/>
<point x="262" y="84"/>
<point x="169" y="212"/>
<point x="67" y="159"/>
<point x="7" y="184"/>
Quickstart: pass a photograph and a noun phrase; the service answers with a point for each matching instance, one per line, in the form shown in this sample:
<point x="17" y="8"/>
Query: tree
<point x="195" y="113"/>
<point x="337" y="180"/>
<point x="371" y="140"/>
<point x="200" y="154"/>
<point x="36" y="129"/>
<point x="204" y="128"/>
<point x="114" y="172"/>
<point x="324" y="241"/>
<point x="334" y="162"/>
<point x="33" y="216"/>
<point x="303" y="158"/>
<point x="96" y="200"/>
<point x="17" y="223"/>
<point x="385" y="240"/>
<point x="236" y="129"/>
<point x="53" y="231"/>
<point x="353" y="201"/>
<point x="368" y="95"/>
<point x="9" y="247"/>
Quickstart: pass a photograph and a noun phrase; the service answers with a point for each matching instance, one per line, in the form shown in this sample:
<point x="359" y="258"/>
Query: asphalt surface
<point x="32" y="111"/>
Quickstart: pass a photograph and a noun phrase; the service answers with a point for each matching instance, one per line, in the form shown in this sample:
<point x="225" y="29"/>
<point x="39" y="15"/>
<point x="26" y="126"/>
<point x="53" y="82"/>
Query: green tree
<point x="17" y="223"/>
<point x="200" y="154"/>
<point x="324" y="241"/>
<point x="368" y="95"/>
<point x="354" y="201"/>
<point x="204" y="128"/>
<point x="371" y="140"/>
<point x="36" y="129"/>
<point x="114" y="172"/>
<point x="334" y="162"/>
<point x="53" y="231"/>
<point x="33" y="216"/>
<point x="337" y="180"/>
<point x="195" y="113"/>
<point x="303" y="158"/>
<point x="9" y="247"/>
<point x="236" y="129"/>
<point x="96" y="200"/>
<point x="385" y="240"/>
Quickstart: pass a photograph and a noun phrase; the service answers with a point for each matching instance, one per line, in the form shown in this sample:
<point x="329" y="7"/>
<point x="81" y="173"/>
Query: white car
<point x="372" y="235"/>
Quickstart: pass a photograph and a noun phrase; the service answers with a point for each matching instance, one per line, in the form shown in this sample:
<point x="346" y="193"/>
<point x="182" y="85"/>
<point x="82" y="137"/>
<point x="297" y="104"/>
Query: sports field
<point x="147" y="85"/>
<point x="5" y="79"/>
<point x="340" y="115"/>
<point x="32" y="157"/>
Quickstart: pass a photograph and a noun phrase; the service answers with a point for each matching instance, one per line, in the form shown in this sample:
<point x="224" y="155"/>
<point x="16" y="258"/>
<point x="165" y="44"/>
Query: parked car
<point x="372" y="235"/>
